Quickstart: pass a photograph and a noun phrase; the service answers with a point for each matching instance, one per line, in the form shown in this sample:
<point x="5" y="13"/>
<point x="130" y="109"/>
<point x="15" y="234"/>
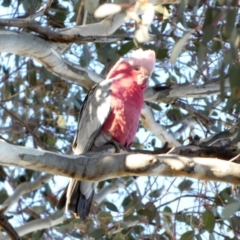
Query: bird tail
<point x="77" y="198"/>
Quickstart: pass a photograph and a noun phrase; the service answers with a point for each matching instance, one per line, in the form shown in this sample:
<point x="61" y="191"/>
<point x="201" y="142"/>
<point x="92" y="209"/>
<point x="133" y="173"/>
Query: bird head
<point x="140" y="64"/>
<point x="143" y="63"/>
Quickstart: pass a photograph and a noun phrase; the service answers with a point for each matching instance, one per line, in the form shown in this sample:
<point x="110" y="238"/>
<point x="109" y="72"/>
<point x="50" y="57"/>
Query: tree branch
<point x="159" y="131"/>
<point x="4" y="223"/>
<point x="24" y="188"/>
<point x="38" y="224"/>
<point x="47" y="53"/>
<point x="169" y="94"/>
<point x="99" y="166"/>
<point x="62" y="37"/>
<point x="112" y="187"/>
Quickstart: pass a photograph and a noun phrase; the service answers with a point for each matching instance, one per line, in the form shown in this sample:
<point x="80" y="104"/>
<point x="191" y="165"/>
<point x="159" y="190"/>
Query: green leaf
<point x="2" y="174"/>
<point x="179" y="46"/>
<point x="167" y="213"/>
<point x="156" y="193"/>
<point x="223" y="196"/>
<point x="230" y="209"/>
<point x="216" y="46"/>
<point x="162" y="53"/>
<point x="39" y="209"/>
<point x="192" y="3"/>
<point x="153" y="142"/>
<point x="105" y="217"/>
<point x="202" y="50"/>
<point x="119" y="236"/>
<point x="37" y="234"/>
<point x="230" y="22"/>
<point x="234" y="73"/>
<point x="48" y="139"/>
<point x="98" y="233"/>
<point x="164" y="25"/>
<point x="126" y="201"/>
<point x="190" y="220"/>
<point x="6" y="3"/>
<point x="3" y="195"/>
<point x="144" y="212"/>
<point x="174" y="115"/>
<point x="155" y="106"/>
<point x="185" y="185"/>
<point x="85" y="58"/>
<point x="60" y="17"/>
<point x="21" y="178"/>
<point x="32" y="74"/>
<point x="61" y="122"/>
<point x="188" y="236"/>
<point x="235" y="222"/>
<point x="138" y="229"/>
<point x="180" y="12"/>
<point x="111" y="206"/>
<point x="212" y="15"/>
<point x="209" y="220"/>
<point x="125" y="48"/>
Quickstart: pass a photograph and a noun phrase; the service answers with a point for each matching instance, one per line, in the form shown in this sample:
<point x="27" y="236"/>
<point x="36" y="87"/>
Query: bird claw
<point x="118" y="146"/>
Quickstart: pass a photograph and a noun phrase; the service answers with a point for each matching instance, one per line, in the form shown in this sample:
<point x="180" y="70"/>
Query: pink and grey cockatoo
<point x="110" y="111"/>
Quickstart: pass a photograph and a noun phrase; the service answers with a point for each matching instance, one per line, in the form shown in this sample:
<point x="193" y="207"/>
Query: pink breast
<point x="126" y="105"/>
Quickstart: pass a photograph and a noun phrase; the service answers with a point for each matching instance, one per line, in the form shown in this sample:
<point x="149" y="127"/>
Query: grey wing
<point x="94" y="112"/>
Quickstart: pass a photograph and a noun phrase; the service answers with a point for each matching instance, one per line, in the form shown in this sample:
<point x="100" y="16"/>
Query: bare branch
<point x="117" y="228"/>
<point x="38" y="224"/>
<point x="59" y="36"/>
<point x="42" y="11"/>
<point x="169" y="94"/>
<point x="151" y="125"/>
<point x="39" y="142"/>
<point x="101" y="195"/>
<point x="221" y="138"/>
<point x="82" y="13"/>
<point x="47" y="54"/>
<point x="104" y="28"/>
<point x="26" y="187"/>
<point x="206" y="121"/>
<point x="4" y="223"/>
<point x="99" y="166"/>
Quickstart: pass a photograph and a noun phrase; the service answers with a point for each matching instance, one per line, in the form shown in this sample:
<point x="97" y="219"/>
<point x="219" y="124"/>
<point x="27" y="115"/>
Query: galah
<point x="110" y="112"/>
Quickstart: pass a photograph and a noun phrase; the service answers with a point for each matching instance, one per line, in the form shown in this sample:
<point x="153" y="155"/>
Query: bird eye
<point x="137" y="68"/>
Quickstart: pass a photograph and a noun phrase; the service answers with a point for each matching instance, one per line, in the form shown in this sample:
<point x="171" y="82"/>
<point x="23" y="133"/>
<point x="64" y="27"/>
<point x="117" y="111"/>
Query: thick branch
<point x="169" y="94"/>
<point x="100" y="166"/>
<point x="47" y="54"/>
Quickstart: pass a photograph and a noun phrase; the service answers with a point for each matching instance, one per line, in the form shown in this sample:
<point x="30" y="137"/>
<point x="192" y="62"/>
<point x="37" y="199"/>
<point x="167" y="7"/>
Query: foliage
<point x="196" y="43"/>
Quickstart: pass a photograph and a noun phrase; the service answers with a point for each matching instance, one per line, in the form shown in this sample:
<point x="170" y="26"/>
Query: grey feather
<point x="93" y="114"/>
<point x="95" y="110"/>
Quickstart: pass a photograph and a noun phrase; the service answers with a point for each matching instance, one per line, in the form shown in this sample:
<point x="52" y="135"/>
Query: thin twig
<point x="40" y="143"/>
<point x="4" y="223"/>
<point x="80" y="15"/>
<point x="60" y="37"/>
<point x="42" y="12"/>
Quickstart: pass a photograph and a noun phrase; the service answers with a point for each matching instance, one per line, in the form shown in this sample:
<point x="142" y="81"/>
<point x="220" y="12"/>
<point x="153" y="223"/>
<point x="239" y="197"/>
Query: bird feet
<point x="118" y="146"/>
